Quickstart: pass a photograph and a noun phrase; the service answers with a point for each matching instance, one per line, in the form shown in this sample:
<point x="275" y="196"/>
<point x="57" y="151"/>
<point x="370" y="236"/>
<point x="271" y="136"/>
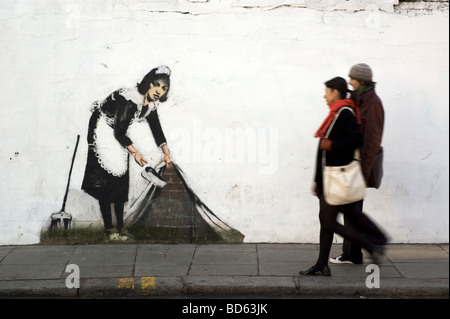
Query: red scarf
<point x="334" y="107"/>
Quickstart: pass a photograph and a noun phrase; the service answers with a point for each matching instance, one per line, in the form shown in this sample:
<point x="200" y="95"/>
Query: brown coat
<point x="372" y="125"/>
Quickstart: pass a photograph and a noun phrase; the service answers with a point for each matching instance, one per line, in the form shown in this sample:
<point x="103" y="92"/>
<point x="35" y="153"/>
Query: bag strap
<point x="335" y="119"/>
<point x="356" y="155"/>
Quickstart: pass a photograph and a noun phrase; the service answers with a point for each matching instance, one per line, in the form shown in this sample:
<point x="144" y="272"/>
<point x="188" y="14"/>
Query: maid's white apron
<point x="111" y="156"/>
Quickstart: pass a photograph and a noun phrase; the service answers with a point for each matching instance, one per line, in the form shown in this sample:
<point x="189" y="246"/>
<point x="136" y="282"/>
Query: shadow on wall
<point x="173" y="214"/>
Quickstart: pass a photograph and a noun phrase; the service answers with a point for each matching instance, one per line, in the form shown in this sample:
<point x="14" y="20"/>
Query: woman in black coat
<point x="343" y="139"/>
<point x="106" y="175"/>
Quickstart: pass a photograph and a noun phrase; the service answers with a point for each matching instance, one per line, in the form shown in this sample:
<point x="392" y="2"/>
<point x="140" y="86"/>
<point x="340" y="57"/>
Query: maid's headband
<point x="162" y="69"/>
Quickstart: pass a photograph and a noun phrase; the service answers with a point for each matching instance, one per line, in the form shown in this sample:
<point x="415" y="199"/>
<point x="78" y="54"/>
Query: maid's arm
<point x="124" y="114"/>
<point x="158" y="135"/>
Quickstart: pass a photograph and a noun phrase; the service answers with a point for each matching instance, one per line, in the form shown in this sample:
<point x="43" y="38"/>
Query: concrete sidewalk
<point x="258" y="270"/>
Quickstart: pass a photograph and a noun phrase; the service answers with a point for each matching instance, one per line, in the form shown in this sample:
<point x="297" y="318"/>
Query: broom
<point x="62" y="218"/>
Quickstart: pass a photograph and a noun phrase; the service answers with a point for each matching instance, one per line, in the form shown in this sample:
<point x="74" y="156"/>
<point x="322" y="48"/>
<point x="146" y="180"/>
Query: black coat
<point x="346" y="136"/>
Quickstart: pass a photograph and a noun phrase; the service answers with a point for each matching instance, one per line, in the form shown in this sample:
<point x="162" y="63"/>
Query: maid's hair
<point x="160" y="73"/>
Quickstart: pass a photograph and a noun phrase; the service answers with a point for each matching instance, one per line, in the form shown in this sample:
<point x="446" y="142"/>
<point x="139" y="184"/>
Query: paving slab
<point x="225" y="258"/>
<point x="286" y="253"/>
<point x="4" y="251"/>
<point x="31" y="272"/>
<point x="217" y="269"/>
<point x="105" y="271"/>
<point x="148" y="256"/>
<point x="417" y="253"/>
<point x="35" y="257"/>
<point x="103" y="259"/>
<point x="423" y="269"/>
<point x="162" y="268"/>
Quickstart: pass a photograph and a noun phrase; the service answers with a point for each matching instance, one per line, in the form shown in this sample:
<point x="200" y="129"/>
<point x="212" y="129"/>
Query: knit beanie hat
<point x="361" y="71"/>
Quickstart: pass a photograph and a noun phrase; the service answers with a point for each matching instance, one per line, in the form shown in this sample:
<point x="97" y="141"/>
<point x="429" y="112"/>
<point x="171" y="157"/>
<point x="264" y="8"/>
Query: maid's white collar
<point x="132" y="94"/>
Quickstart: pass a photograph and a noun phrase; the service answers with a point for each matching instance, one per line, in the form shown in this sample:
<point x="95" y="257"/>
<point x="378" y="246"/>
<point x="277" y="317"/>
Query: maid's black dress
<point x="106" y="176"/>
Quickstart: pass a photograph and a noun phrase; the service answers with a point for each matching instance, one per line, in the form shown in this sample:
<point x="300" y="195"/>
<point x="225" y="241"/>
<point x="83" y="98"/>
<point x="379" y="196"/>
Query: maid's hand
<point x="139" y="158"/>
<point x="168" y="160"/>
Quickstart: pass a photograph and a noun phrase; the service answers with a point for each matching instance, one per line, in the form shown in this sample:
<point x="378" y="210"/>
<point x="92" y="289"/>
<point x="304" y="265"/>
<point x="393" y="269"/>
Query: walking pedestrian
<point x="344" y="138"/>
<point x="106" y="176"/>
<point x="372" y="124"/>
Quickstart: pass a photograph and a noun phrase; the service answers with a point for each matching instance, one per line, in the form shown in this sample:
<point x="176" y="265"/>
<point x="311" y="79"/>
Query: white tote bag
<point x="343" y="184"/>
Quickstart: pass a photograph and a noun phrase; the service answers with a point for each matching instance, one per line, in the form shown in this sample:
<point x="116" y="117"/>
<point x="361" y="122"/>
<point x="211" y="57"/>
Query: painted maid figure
<point x="112" y="142"/>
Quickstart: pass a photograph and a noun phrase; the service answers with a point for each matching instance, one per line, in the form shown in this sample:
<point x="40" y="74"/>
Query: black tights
<point x="105" y="208"/>
<point x="361" y="225"/>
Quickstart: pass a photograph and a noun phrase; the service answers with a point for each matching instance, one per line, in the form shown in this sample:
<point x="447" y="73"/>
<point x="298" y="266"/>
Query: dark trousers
<point x="105" y="208"/>
<point x="363" y="233"/>
<point x="352" y="251"/>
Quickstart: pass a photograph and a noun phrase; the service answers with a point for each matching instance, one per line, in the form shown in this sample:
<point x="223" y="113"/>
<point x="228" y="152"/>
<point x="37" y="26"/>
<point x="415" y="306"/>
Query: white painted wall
<point x="260" y="70"/>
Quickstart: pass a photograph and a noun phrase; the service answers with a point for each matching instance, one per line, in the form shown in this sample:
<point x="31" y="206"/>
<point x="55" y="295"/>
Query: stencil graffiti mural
<point x="124" y="133"/>
<point x="113" y="120"/>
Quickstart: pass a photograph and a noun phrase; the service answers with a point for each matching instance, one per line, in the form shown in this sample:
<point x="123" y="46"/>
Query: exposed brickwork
<point x="173" y="217"/>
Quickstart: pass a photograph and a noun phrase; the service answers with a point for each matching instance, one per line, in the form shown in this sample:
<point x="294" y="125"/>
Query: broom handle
<point x="70" y="173"/>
